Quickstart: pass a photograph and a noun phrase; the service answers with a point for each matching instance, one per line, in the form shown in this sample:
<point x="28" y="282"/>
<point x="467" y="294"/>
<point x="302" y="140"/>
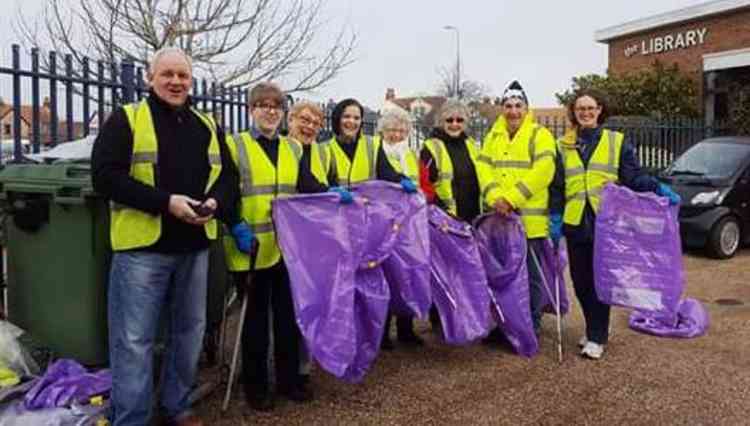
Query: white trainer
<point x="592" y="350"/>
<point x="583" y="341"/>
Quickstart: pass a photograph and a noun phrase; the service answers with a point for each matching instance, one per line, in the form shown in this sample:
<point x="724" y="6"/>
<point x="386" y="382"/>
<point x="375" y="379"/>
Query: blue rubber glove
<point x="665" y="191"/>
<point x="555" y="228"/>
<point x="345" y="197"/>
<point x="243" y="237"/>
<point x="408" y="186"/>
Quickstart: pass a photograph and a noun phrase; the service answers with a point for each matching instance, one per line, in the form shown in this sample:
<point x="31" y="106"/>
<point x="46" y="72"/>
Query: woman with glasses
<point x="449" y="173"/>
<point x="393" y="127"/>
<point x="590" y="157"/>
<point x="305" y="121"/>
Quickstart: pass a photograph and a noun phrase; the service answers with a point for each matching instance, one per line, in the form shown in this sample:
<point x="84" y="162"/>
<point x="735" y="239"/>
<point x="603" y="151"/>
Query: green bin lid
<point x="57" y="179"/>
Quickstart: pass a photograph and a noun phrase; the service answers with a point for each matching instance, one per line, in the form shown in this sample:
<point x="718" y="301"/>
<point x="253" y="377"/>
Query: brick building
<point x="710" y="43"/>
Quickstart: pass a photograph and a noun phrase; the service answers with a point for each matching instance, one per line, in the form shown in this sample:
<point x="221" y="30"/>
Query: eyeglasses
<point x="307" y="121"/>
<point x="268" y="107"/>
<point x="395" y="130"/>
<point x="587" y="109"/>
<point x="451" y="120"/>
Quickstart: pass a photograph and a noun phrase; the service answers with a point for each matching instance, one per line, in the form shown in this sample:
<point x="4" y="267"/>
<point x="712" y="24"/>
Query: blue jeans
<point x="536" y="286"/>
<point x="142" y="287"/>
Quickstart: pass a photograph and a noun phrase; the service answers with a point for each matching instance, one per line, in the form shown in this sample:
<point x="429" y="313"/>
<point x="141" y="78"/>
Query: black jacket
<point x="465" y="184"/>
<point x="183" y="168"/>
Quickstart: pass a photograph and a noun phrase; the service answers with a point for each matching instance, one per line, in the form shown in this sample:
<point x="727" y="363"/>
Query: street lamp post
<point x="458" y="59"/>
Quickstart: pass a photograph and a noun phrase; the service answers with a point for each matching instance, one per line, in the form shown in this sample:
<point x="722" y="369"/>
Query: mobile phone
<point x="203" y="210"/>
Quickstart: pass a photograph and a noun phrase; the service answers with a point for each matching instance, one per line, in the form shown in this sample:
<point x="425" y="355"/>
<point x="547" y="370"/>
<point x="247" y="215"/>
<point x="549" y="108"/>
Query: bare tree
<point x="470" y="91"/>
<point x="237" y="42"/>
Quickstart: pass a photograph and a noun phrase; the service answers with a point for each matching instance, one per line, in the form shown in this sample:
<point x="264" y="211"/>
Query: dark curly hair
<point x="599" y="97"/>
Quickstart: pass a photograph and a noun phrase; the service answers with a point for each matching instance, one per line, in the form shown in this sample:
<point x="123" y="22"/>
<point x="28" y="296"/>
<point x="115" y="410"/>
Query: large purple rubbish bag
<point x="637" y="252"/>
<point x="407" y="269"/>
<point x="334" y="254"/>
<point x="502" y="243"/>
<point x="692" y="321"/>
<point x="459" y="285"/>
<point x="64" y="383"/>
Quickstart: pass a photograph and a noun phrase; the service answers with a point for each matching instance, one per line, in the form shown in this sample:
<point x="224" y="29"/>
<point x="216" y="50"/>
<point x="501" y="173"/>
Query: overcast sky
<point x="402" y="43"/>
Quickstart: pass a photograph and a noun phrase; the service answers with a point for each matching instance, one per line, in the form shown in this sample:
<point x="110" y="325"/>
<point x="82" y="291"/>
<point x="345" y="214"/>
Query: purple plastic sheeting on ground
<point x="460" y="291"/>
<point x="66" y="382"/>
<point x="502" y="243"/>
<point x="692" y="321"/>
<point x="407" y="269"/>
<point x="554" y="260"/>
<point x="637" y="252"/>
<point x="334" y="254"/>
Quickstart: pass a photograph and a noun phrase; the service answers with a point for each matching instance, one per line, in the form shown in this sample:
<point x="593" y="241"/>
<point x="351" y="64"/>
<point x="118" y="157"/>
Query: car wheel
<point x="724" y="239"/>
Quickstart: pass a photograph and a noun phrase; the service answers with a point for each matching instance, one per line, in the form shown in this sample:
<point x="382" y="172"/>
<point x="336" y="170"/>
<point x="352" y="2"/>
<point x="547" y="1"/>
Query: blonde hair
<point x="265" y="91"/>
<point x="307" y="105"/>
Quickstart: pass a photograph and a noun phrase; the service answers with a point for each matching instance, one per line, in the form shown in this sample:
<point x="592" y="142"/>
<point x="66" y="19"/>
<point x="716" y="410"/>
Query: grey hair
<point x="166" y="51"/>
<point x="449" y="108"/>
<point x="393" y="117"/>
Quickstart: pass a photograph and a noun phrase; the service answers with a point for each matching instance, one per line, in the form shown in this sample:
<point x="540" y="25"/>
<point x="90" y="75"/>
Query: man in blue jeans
<point x="168" y="174"/>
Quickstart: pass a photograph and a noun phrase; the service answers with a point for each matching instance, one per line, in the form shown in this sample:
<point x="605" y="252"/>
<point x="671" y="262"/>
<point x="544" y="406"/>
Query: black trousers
<point x="595" y="312"/>
<point x="270" y="292"/>
<point x="404" y="326"/>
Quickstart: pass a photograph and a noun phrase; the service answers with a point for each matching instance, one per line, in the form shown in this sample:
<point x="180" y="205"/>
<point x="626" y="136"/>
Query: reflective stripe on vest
<point x="132" y="228"/>
<point x="535" y="211"/>
<point x="363" y="167"/>
<point x="444" y="165"/>
<point x="585" y="184"/>
<point x="412" y="167"/>
<point x="260" y="183"/>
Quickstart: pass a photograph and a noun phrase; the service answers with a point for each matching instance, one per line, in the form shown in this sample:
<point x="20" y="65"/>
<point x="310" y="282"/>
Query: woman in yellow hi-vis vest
<point x="591" y="156"/>
<point x="394" y="127"/>
<point x="521" y="156"/>
<point x="358" y="157"/>
<point x="270" y="166"/>
<point x="449" y="175"/>
<point x="305" y="121"/>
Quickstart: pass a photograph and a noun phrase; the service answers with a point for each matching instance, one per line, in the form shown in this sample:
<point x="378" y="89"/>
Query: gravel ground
<point x="640" y="380"/>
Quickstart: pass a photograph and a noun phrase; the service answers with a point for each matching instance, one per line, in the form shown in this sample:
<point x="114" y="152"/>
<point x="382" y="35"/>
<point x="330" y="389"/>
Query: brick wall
<point x="728" y="31"/>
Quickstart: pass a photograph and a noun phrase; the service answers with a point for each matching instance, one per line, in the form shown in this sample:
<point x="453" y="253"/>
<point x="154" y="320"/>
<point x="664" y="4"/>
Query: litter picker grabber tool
<point x="556" y="298"/>
<point x="238" y="338"/>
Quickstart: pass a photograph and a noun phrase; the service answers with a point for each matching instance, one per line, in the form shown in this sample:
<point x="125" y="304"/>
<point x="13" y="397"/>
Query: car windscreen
<point x="711" y="160"/>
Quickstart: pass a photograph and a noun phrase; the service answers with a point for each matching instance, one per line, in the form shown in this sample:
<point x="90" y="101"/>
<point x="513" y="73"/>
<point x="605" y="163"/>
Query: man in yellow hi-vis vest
<point x="270" y="166"/>
<point x="521" y="155"/>
<point x="167" y="171"/>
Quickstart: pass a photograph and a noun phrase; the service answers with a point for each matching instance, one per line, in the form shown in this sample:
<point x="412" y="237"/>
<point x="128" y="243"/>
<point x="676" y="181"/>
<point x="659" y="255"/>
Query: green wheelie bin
<point x="57" y="243"/>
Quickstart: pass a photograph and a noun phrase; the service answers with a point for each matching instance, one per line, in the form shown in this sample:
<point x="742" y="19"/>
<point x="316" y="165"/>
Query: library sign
<point x="668" y="42"/>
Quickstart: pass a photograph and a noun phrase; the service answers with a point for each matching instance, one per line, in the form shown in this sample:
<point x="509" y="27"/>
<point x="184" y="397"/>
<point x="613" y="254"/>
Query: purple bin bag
<point x="64" y="383"/>
<point x="502" y="244"/>
<point x="554" y="260"/>
<point x="334" y="254"/>
<point x="637" y="252"/>
<point x="459" y="285"/>
<point x="407" y="269"/>
<point x="692" y="321"/>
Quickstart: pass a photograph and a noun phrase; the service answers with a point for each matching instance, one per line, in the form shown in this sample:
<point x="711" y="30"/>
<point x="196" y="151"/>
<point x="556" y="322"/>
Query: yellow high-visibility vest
<point x="444" y="165"/>
<point x="132" y="228"/>
<point x="584" y="183"/>
<point x="412" y="166"/>
<point x="523" y="168"/>
<point x="261" y="182"/>
<point x="363" y="167"/>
